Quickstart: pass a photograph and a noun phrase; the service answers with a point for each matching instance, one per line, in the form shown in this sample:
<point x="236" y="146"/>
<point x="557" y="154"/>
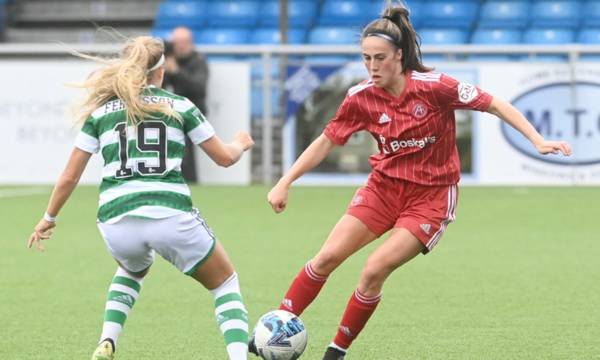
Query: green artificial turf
<point x="517" y="276"/>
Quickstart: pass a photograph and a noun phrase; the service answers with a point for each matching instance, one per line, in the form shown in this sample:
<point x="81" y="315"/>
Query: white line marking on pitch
<point x="16" y="192"/>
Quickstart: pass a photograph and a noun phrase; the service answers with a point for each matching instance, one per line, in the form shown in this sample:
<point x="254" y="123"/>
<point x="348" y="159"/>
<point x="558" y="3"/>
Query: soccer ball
<point x="280" y="335"/>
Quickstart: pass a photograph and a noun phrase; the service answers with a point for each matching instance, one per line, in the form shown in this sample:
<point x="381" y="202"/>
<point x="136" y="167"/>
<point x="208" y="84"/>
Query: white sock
<point x="232" y="317"/>
<point x="122" y="294"/>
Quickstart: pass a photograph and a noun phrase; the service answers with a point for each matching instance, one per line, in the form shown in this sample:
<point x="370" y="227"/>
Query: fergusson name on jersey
<point x="118" y="105"/>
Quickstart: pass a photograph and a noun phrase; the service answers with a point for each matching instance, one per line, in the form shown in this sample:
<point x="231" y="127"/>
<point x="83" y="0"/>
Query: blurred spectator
<point x="3" y="18"/>
<point x="186" y="75"/>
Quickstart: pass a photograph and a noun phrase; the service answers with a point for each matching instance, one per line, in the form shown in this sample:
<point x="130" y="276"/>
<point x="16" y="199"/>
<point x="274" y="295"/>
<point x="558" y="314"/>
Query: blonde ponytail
<point x="125" y="78"/>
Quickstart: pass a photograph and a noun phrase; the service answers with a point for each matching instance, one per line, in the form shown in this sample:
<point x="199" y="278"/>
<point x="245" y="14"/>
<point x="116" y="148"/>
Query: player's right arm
<point x="63" y="189"/>
<point x="316" y="152"/>
<point x="346" y="122"/>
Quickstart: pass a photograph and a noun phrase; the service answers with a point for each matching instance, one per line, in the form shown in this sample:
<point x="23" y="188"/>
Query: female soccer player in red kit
<point x="412" y="189"/>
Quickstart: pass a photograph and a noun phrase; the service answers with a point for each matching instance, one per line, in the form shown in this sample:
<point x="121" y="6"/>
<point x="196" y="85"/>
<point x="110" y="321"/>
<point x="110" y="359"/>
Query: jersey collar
<point x="407" y="84"/>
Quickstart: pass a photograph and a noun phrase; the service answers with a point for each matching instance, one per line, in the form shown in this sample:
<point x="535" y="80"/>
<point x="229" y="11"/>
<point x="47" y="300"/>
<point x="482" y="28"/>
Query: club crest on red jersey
<point x="419" y="110"/>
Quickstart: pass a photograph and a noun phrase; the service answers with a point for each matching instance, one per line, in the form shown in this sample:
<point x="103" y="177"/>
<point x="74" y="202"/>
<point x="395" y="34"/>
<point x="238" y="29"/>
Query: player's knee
<point x="371" y="281"/>
<point x="375" y="272"/>
<point x="137" y="274"/>
<point x="325" y="262"/>
<point x="370" y="275"/>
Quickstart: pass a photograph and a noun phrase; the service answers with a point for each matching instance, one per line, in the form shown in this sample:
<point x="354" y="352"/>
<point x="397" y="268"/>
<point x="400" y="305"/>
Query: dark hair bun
<point x="396" y="13"/>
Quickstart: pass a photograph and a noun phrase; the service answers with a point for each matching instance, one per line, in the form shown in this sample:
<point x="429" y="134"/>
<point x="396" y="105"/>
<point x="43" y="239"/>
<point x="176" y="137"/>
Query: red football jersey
<point x="416" y="132"/>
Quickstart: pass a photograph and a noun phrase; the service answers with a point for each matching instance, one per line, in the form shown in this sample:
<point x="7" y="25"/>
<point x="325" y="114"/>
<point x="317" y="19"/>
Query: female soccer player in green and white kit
<point x="145" y="205"/>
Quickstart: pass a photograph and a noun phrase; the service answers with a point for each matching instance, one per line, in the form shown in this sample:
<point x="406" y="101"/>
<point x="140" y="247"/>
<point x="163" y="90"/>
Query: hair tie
<point x="388" y="18"/>
<point x="158" y="64"/>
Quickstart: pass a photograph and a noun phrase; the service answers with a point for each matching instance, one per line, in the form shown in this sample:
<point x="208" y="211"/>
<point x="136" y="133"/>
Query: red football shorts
<point x="385" y="203"/>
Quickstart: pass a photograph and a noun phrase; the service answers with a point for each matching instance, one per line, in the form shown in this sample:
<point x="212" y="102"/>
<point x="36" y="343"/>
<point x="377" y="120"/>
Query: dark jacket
<point x="191" y="80"/>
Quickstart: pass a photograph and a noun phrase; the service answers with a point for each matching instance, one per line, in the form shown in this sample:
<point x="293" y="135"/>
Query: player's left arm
<point x="508" y="113"/>
<point x="65" y="185"/>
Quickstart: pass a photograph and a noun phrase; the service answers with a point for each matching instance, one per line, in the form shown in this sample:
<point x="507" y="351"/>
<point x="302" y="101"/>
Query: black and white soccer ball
<point x="280" y="335"/>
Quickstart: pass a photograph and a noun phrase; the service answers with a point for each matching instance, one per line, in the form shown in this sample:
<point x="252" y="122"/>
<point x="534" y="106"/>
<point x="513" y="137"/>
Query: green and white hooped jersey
<point x="142" y="164"/>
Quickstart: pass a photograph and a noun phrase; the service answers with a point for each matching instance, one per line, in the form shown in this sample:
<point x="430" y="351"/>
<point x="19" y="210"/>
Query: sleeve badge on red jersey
<point x="357" y="200"/>
<point x="466" y="92"/>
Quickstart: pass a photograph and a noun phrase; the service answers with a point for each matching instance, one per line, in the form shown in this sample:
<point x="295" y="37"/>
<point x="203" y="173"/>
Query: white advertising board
<point x="229" y="112"/>
<point x="558" y="102"/>
<point x="561" y="104"/>
<point x="37" y="129"/>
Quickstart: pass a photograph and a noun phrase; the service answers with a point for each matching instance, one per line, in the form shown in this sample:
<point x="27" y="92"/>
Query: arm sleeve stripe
<point x="87" y="143"/>
<point x="201" y="133"/>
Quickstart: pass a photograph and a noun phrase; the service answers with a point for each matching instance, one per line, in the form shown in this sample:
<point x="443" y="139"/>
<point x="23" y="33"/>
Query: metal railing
<point x="267" y="52"/>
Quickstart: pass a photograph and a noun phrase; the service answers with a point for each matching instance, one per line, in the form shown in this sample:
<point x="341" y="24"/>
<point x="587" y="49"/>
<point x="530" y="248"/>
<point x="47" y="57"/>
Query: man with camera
<point x="186" y="75"/>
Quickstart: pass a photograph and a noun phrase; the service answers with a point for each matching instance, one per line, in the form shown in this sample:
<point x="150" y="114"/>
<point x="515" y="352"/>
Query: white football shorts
<point x="184" y="240"/>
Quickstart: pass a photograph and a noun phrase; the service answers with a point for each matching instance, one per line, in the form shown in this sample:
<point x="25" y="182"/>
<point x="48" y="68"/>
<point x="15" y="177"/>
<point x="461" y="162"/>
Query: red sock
<point x="358" y="311"/>
<point x="303" y="291"/>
